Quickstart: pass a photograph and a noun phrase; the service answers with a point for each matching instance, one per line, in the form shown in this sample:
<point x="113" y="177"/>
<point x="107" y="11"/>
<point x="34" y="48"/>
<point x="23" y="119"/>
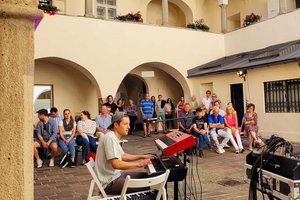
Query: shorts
<point x="161" y="116"/>
<point x="146" y="117"/>
<point x="40" y="143"/>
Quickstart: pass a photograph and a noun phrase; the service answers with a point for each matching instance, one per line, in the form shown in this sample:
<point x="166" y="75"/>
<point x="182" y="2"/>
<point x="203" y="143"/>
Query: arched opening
<point x="72" y="86"/>
<point x="153" y="78"/>
<point x="179" y="13"/>
<point x="132" y="87"/>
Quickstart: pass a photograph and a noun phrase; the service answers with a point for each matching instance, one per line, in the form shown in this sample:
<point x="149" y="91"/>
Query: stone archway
<point x="73" y="86"/>
<point x="157" y="78"/>
<point x="180" y="14"/>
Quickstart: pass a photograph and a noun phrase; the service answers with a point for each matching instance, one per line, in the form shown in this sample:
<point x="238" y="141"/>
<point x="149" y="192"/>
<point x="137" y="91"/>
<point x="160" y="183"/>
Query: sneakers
<point x="51" y="164"/>
<point x="242" y="150"/>
<point x="39" y="163"/>
<point x="226" y="146"/>
<point x="237" y="151"/>
<point x="72" y="164"/>
<point x="220" y="150"/>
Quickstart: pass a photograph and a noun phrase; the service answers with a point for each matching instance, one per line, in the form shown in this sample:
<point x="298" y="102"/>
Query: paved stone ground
<point x="222" y="176"/>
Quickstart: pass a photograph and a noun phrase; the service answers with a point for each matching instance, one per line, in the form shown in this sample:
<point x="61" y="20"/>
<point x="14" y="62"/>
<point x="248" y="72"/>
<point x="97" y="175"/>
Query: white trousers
<point x="223" y="134"/>
<point x="239" y="144"/>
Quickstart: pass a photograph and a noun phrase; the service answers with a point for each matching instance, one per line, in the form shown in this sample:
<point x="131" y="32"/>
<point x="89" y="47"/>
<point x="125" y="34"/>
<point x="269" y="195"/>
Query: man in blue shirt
<point x="103" y="121"/>
<point x="146" y="106"/>
<point x="216" y="125"/>
<point x="46" y="130"/>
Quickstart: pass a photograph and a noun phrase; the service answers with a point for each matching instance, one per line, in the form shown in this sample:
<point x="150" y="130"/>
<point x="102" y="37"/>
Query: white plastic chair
<point x="90" y="165"/>
<point x="157" y="183"/>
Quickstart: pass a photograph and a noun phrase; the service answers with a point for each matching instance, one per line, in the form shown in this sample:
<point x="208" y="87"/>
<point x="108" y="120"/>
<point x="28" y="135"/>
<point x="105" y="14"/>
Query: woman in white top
<point x="67" y="129"/>
<point x="86" y="129"/>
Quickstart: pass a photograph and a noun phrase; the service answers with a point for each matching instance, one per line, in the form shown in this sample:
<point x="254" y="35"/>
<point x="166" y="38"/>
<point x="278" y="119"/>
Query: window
<point x="282" y="96"/>
<point x="106" y="9"/>
<point x="42" y="97"/>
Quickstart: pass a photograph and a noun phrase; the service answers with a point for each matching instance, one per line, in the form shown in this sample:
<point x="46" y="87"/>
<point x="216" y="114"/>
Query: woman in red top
<point x="180" y="104"/>
<point x="231" y="122"/>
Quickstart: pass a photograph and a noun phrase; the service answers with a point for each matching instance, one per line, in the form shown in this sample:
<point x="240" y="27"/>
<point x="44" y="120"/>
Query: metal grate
<point x="282" y="96"/>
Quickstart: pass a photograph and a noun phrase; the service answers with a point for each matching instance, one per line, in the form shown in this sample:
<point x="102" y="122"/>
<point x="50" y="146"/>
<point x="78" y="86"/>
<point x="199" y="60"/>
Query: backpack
<point x="65" y="160"/>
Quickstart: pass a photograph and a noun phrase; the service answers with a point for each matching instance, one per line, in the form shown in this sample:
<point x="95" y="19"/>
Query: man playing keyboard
<point x="111" y="160"/>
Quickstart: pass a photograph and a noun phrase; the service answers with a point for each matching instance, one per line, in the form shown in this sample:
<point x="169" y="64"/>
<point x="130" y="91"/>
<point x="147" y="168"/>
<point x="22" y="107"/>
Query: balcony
<point x="180" y="12"/>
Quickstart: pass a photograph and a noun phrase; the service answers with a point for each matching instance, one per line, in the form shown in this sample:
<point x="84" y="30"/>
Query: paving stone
<point x="210" y="171"/>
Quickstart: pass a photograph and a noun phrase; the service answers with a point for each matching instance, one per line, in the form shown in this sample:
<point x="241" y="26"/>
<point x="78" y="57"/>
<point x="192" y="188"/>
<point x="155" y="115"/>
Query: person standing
<point x="169" y="110"/>
<point x="111" y="104"/>
<point x="112" y="162"/>
<point x="207" y="100"/>
<point x="131" y="110"/>
<point x="147" y="109"/>
<point x="161" y="116"/>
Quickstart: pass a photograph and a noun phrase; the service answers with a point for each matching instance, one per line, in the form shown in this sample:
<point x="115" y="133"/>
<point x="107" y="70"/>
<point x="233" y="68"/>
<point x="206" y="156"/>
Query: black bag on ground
<point x="65" y="160"/>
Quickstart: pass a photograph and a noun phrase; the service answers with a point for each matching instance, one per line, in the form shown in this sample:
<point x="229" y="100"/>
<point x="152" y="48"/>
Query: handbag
<point x="65" y="160"/>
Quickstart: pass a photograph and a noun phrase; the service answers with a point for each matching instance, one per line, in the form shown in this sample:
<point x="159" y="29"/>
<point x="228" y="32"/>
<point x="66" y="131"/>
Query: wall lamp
<point x="242" y="74"/>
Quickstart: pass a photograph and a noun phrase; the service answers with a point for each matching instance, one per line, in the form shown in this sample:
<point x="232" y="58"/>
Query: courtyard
<point x="221" y="176"/>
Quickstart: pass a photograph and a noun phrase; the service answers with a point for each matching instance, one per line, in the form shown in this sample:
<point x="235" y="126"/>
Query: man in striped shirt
<point x="146" y="107"/>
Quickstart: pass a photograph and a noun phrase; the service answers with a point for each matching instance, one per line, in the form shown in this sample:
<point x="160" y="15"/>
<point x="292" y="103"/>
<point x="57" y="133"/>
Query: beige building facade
<point x="84" y="59"/>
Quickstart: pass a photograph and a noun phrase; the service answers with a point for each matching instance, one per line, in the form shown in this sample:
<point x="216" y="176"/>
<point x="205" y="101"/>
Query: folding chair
<point x="157" y="183"/>
<point x="90" y="165"/>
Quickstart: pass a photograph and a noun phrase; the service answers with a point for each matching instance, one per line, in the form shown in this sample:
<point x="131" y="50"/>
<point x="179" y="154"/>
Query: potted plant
<point x="133" y="17"/>
<point x="198" y="25"/>
<point x="47" y="7"/>
<point x="251" y="19"/>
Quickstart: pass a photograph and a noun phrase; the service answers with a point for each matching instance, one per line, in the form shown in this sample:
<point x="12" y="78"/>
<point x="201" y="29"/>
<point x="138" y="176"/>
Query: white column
<point x="282" y="6"/>
<point x="165" y="13"/>
<point x="223" y="4"/>
<point x="89" y="8"/>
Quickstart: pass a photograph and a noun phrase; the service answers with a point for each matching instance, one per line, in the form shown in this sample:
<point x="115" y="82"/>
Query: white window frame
<point x="106" y="7"/>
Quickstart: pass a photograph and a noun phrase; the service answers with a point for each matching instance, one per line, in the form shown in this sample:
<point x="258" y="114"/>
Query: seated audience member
<point x="112" y="162"/>
<point x="214" y="98"/>
<point x="200" y="130"/>
<point x="46" y="130"/>
<point x="216" y="125"/>
<point x="67" y="129"/>
<point x="120" y="105"/>
<point x="231" y="123"/>
<point x="86" y="129"/>
<point x="185" y="120"/>
<point x="250" y="123"/>
<point x="169" y="110"/>
<point x="194" y="105"/>
<point x="132" y="110"/>
<point x="111" y="104"/>
<point x="103" y="120"/>
<point x="207" y="100"/>
<point x="218" y="104"/>
<point x="230" y="104"/>
<point x="55" y="115"/>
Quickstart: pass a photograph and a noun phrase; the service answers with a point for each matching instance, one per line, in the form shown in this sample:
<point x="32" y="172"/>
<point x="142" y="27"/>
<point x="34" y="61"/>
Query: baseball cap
<point x="116" y="118"/>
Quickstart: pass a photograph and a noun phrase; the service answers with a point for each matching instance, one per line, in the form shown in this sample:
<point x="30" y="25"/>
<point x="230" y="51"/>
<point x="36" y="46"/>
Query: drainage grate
<point x="230" y="182"/>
